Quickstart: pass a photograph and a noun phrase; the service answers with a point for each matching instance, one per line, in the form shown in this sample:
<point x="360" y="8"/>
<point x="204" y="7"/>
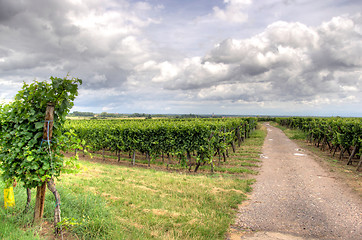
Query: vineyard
<point x="343" y="135"/>
<point x="33" y="143"/>
<point x="194" y="142"/>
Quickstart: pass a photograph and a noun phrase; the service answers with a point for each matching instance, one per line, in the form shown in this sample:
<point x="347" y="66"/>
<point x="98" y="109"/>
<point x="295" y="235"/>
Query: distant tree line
<point x="112" y="115"/>
<point x="145" y="115"/>
<point x="135" y="115"/>
<point x="81" y="114"/>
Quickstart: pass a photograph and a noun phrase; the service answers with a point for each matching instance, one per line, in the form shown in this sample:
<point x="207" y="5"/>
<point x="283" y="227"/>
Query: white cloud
<point x="7" y="89"/>
<point x="234" y="11"/>
<point x="100" y="78"/>
<point x="247" y="92"/>
<point x="286" y="62"/>
<point x="167" y="72"/>
<point x="175" y="57"/>
<point x="188" y="74"/>
<point x="100" y="42"/>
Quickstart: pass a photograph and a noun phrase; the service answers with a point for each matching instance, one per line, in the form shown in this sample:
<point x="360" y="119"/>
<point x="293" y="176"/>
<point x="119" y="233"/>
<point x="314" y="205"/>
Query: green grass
<point x="89" y="210"/>
<point x="146" y="204"/>
<point x="295" y="134"/>
<point x="9" y="227"/>
<point x="118" y="202"/>
<point x="236" y="169"/>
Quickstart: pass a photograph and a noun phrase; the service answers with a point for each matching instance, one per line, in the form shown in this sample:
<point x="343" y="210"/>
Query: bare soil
<point x="296" y="198"/>
<point x="47" y="232"/>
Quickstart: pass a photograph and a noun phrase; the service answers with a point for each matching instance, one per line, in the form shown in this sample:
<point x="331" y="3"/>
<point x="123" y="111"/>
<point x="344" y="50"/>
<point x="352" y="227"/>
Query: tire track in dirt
<point x="295" y="198"/>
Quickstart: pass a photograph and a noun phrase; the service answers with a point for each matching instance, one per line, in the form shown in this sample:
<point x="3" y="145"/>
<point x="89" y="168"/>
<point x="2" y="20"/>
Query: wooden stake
<point x="359" y="163"/>
<point x="39" y="204"/>
<point x="40" y="191"/>
<point x="355" y="149"/>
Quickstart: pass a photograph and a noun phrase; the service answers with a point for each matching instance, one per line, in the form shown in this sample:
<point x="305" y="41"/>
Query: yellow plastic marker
<point x="9" y="200"/>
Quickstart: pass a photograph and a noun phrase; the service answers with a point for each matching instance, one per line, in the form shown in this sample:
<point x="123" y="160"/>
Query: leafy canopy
<point x="23" y="154"/>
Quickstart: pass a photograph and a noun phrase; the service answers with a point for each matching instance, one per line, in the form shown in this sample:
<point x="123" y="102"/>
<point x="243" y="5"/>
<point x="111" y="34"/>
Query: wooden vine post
<point x="40" y="191"/>
<point x="39" y="204"/>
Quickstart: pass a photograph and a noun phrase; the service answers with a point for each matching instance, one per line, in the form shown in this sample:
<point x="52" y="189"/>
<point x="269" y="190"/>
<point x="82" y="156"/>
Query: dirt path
<point x="295" y="198"/>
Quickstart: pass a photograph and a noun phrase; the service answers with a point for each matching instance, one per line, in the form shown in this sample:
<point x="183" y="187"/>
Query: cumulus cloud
<point x="191" y="73"/>
<point x="99" y="41"/>
<point x="136" y="54"/>
<point x="246" y="92"/>
<point x="286" y="62"/>
<point x="234" y="11"/>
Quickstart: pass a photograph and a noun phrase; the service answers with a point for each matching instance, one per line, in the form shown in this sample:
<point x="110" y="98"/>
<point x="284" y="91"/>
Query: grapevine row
<point x="199" y="139"/>
<point x="335" y="134"/>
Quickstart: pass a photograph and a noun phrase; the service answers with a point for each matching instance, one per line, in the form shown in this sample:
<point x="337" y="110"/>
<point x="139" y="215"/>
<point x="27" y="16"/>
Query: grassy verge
<point x="107" y="201"/>
<point x="346" y="173"/>
<point x="294" y="134"/>
<point x="146" y="204"/>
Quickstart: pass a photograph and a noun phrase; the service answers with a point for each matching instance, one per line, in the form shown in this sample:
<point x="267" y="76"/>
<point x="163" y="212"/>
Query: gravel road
<point x="295" y="198"/>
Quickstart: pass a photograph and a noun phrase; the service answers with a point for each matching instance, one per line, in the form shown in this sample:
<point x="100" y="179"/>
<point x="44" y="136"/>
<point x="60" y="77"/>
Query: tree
<point x="25" y="154"/>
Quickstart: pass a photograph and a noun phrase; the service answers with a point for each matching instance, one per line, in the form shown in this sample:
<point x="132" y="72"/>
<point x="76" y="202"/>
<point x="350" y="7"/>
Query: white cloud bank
<point x="286" y="62"/>
<point x="110" y="45"/>
<point x="98" y="41"/>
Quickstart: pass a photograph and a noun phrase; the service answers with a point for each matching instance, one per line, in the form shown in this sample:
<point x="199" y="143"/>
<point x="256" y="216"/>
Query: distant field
<point x="113" y="118"/>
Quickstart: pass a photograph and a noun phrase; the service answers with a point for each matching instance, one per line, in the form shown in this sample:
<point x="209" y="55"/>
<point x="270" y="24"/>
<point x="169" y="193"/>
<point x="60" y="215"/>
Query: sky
<point x="243" y="57"/>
